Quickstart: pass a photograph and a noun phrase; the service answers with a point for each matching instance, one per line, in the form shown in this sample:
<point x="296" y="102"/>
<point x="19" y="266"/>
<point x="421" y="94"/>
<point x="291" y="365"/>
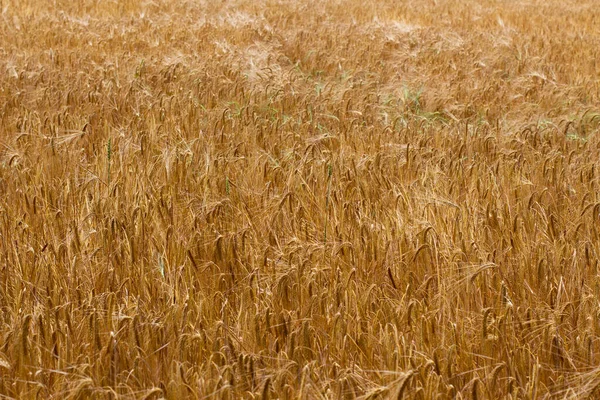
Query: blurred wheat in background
<point x="299" y="199"/>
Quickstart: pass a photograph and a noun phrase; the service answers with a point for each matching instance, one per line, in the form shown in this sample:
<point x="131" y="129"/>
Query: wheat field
<point x="299" y="200"/>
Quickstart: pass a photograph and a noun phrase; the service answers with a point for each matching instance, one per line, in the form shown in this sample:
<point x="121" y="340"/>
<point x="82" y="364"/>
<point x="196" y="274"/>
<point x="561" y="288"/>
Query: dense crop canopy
<point x="299" y="199"/>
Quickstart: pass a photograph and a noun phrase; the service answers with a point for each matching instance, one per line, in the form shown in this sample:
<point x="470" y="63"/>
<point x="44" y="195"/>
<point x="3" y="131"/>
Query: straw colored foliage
<point x="299" y="199"/>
